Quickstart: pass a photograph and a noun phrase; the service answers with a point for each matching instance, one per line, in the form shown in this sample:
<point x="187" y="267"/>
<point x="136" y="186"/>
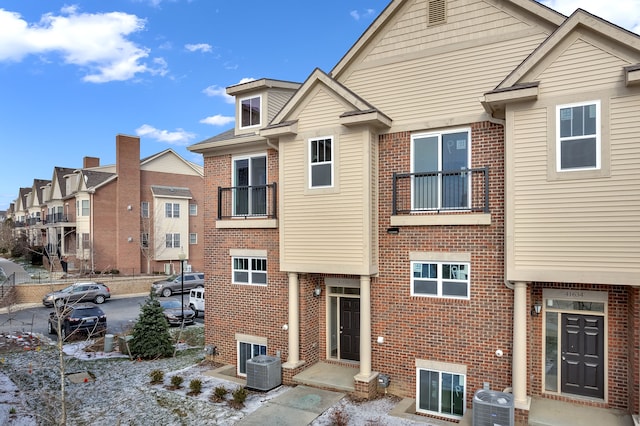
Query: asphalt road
<point x="121" y="315"/>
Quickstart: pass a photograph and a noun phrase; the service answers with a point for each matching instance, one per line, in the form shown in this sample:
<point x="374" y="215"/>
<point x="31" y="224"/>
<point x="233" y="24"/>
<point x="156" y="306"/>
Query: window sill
<point x="242" y="223"/>
<point x="442" y="219"/>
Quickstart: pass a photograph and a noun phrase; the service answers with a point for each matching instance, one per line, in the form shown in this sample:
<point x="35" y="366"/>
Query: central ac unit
<point x="264" y="373"/>
<point x="492" y="408"/>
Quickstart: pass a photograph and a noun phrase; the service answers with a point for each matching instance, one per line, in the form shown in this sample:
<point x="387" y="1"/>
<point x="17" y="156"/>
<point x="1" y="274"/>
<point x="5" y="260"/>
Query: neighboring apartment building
<point x="454" y="206"/>
<point x="136" y="216"/>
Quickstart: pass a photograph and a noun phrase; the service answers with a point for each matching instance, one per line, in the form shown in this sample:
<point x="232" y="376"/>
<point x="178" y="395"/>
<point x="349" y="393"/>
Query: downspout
<point x="91" y="213"/>
<point x="272" y="145"/>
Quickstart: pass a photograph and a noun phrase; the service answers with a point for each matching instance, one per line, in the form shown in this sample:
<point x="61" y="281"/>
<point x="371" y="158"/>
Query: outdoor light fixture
<point x="395" y="230"/>
<point x="182" y="257"/>
<point x="535" y="309"/>
<point x="317" y="291"/>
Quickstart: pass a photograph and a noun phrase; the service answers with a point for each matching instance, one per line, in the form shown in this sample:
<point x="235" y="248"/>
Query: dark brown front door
<point x="583" y="355"/>
<point x="350" y="328"/>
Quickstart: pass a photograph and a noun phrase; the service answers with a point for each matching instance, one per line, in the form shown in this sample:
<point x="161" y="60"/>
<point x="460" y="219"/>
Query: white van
<point x="196" y="301"/>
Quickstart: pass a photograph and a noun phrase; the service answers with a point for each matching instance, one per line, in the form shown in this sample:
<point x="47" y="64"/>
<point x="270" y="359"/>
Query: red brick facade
<point x="464" y="332"/>
<point x="116" y="222"/>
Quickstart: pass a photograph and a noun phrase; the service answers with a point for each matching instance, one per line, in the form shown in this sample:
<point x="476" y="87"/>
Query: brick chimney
<point x="127" y="203"/>
<point x="89" y="162"/>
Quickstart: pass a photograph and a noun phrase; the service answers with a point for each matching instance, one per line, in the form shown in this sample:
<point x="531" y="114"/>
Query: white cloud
<point x="625" y="14"/>
<point x="180" y="137"/>
<point x="95" y="42"/>
<point x="202" y="47"/>
<point x="367" y="13"/>
<point x="217" y="91"/>
<point x="217" y="120"/>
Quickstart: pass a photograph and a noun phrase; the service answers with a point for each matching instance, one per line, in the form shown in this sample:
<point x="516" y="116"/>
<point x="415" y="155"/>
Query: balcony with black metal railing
<point x="247" y="202"/>
<point x="56" y="218"/>
<point x="32" y="221"/>
<point x="441" y="197"/>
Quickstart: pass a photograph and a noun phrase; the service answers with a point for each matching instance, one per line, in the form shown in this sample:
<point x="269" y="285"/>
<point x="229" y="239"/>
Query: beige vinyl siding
<point x="326" y="230"/>
<point x="582" y="65"/>
<point x="465" y="21"/>
<point x="276" y="100"/>
<point x="419" y="91"/>
<point x="169" y="163"/>
<point x="324" y="112"/>
<point x="574" y="230"/>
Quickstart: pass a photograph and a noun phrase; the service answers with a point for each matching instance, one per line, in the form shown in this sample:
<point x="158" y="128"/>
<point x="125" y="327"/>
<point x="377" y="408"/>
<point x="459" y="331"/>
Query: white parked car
<point x="196" y="301"/>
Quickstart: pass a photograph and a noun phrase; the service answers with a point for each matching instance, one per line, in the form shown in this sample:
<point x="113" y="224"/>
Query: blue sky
<point x="73" y="75"/>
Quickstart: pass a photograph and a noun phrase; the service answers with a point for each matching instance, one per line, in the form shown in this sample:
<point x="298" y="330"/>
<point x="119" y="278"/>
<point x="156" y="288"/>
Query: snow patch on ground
<point x="120" y="392"/>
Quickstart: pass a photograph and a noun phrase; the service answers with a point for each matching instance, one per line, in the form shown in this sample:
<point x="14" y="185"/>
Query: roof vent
<point x="437" y="12"/>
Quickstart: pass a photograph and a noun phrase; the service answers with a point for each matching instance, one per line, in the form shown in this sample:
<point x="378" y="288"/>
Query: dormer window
<point x="250" y="112"/>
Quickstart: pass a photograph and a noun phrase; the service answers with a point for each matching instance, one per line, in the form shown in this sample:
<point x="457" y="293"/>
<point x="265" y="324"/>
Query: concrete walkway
<point x="297" y="406"/>
<point x="548" y="412"/>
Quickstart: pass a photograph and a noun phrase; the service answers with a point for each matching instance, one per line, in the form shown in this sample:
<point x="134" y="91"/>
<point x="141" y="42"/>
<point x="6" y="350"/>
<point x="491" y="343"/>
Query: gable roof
<point x="170" y="152"/>
<point x="58" y="179"/>
<point x="38" y="185"/>
<point x="95" y="179"/>
<point x="171" y="192"/>
<point x="382" y="21"/>
<point x="22" y="198"/>
<point x="516" y="87"/>
<point x="361" y="107"/>
<point x="580" y="18"/>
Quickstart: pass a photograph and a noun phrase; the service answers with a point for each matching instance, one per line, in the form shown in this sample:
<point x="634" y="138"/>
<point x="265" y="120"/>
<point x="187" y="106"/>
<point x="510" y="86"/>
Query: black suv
<point x="75" y="319"/>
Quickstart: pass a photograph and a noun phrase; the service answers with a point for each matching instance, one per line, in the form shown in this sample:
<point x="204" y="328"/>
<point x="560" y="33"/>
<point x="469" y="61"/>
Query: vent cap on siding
<point x="437" y="12"/>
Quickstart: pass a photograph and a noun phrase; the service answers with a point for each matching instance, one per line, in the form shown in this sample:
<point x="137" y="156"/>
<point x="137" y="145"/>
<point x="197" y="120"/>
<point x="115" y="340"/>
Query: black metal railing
<point x="441" y="191"/>
<point x="248" y="201"/>
<point x="33" y="221"/>
<point x="56" y="217"/>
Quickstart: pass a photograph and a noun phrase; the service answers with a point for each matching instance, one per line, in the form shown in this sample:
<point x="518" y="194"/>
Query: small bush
<point x="157" y="376"/>
<point x="176" y="382"/>
<point x="195" y="386"/>
<point x="239" y="396"/>
<point x="339" y="418"/>
<point x="219" y="394"/>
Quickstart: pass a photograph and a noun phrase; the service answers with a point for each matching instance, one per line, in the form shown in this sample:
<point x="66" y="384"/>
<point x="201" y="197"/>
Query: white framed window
<point x="250" y="111"/>
<point x="440" y="279"/>
<point x="172" y="209"/>
<point x="321" y="162"/>
<point x="249" y="270"/>
<point x="193" y="238"/>
<point x="86" y="241"/>
<point x="144" y="209"/>
<point x="144" y="240"/>
<point x="246" y="351"/>
<point x="193" y="210"/>
<point x="578" y="145"/>
<point x="439" y="161"/>
<point x="85" y="208"/>
<point x="440" y="392"/>
<point x="249" y="185"/>
<point x="172" y="240"/>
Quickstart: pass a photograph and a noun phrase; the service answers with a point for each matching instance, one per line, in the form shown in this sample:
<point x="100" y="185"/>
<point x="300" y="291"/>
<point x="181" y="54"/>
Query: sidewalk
<point x="297" y="406"/>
